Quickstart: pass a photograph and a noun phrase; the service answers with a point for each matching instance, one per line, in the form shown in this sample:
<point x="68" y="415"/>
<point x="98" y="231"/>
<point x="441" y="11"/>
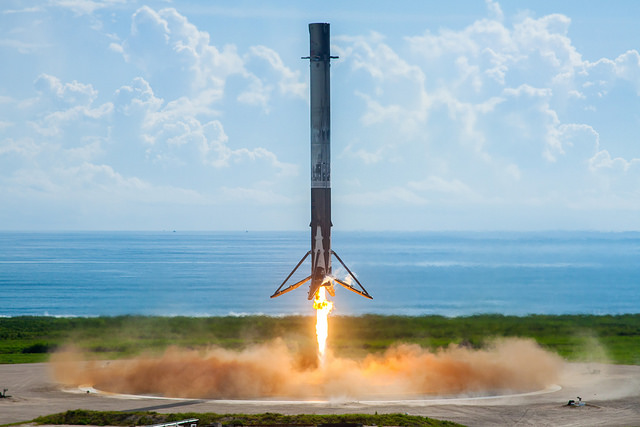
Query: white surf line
<point x="335" y="401"/>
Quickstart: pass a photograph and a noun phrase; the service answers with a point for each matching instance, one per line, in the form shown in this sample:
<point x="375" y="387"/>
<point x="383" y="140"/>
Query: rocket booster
<point x="321" y="252"/>
<point x="319" y="62"/>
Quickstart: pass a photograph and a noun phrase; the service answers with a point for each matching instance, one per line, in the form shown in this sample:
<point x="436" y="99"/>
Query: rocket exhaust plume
<point x="323" y="308"/>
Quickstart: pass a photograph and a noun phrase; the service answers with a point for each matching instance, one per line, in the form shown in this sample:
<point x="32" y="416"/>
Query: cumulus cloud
<point x="254" y="195"/>
<point x="68" y="93"/>
<point x="67" y="106"/>
<point x="501" y="109"/>
<point x="182" y="60"/>
<point x="498" y="105"/>
<point x="603" y="74"/>
<point x="398" y="93"/>
<point x="435" y="184"/>
<point x="495" y="10"/>
<point x="25" y="147"/>
<point x="184" y="129"/>
<point x="164" y="43"/>
<point x="81" y="144"/>
<point x="387" y="196"/>
<point x="86" y="7"/>
<point x="137" y="98"/>
<point x="366" y="156"/>
<point x="289" y="80"/>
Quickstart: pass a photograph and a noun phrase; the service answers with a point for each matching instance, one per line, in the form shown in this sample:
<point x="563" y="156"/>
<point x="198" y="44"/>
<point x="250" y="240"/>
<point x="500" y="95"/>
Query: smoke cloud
<point x="274" y="370"/>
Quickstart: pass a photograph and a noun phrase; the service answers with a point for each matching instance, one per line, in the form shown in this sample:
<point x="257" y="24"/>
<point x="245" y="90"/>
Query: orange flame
<point x="323" y="307"/>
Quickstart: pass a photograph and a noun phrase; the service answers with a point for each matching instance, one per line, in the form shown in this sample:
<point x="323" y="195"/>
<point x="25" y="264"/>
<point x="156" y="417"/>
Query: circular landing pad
<point x="369" y="400"/>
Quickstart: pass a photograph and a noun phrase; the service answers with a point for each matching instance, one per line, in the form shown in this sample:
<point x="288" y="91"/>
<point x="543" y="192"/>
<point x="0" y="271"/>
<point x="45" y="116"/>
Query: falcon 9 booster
<point x="321" y="252"/>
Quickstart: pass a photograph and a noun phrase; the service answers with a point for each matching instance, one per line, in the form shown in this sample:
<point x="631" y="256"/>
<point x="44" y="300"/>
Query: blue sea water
<point x="222" y="273"/>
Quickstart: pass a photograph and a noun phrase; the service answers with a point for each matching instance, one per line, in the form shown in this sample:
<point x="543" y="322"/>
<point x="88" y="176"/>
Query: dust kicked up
<point x="274" y="370"/>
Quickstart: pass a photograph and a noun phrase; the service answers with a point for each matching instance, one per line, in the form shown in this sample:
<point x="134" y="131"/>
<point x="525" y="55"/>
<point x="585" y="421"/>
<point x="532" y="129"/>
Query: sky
<point x="193" y="115"/>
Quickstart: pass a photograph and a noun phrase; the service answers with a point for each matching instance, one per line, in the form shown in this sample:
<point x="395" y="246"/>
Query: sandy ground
<point x="611" y="393"/>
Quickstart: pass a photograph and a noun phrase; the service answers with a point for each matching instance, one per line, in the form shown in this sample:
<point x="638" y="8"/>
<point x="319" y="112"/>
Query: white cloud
<point x="289" y="80"/>
<point x="547" y="36"/>
<point x="602" y="75"/>
<point x="27" y="181"/>
<point x="257" y="94"/>
<point x="117" y="48"/>
<point x="379" y="60"/>
<point x="74" y="133"/>
<point x="367" y="157"/>
<point x="24" y="147"/>
<point x="436" y="184"/>
<point x="513" y="171"/>
<point x="86" y="7"/>
<point x="103" y="178"/>
<point x="398" y="96"/>
<point x="528" y="90"/>
<point x="472" y="42"/>
<point x="68" y="93"/>
<point x="495" y="10"/>
<point x="386" y="196"/>
<point x="99" y="185"/>
<point x="70" y="105"/>
<point x="137" y="98"/>
<point x="495" y="112"/>
<point x="254" y="196"/>
<point x="23" y="10"/>
<point x="164" y="43"/>
<point x="489" y="106"/>
<point x="603" y="160"/>
<point x="167" y="46"/>
<point x="92" y="148"/>
<point x="182" y="130"/>
<point x="284" y="169"/>
<point x="22" y="46"/>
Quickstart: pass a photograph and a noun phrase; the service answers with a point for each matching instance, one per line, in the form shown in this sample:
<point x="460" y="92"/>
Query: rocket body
<point x="321" y="252"/>
<point x="319" y="62"/>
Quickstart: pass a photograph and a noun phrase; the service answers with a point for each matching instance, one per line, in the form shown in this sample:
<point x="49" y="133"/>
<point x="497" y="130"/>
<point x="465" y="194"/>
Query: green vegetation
<point x="82" y="417"/>
<point x="575" y="337"/>
<point x="24" y="339"/>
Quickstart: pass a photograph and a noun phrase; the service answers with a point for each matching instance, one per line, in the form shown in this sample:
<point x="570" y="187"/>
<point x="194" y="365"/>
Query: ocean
<point x="234" y="273"/>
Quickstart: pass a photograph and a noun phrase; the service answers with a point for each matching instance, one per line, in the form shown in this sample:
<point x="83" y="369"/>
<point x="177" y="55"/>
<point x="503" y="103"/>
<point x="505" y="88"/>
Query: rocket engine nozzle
<point x="321" y="280"/>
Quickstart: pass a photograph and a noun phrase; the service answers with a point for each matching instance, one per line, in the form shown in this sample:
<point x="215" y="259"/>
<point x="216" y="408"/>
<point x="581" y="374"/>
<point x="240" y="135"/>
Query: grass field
<point x="574" y="337"/>
<point x="81" y="417"/>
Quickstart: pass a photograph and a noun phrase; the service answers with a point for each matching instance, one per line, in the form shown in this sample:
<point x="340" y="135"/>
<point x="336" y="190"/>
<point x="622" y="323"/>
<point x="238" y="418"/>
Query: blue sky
<point x="469" y="115"/>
